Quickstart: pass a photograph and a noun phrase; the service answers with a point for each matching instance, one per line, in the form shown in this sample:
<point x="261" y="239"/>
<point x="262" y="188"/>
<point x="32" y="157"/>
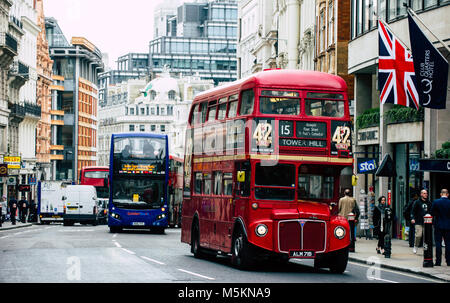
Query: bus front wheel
<point x="195" y="241"/>
<point x="339" y="260"/>
<point x="241" y="251"/>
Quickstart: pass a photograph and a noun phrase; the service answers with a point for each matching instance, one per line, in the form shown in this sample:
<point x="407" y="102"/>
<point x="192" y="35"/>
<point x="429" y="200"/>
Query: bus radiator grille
<point x="302" y="235"/>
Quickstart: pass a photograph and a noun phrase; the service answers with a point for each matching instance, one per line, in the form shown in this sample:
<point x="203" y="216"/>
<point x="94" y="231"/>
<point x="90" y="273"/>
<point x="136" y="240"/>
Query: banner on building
<point x="431" y="68"/>
<point x="367" y="165"/>
<point x="396" y="77"/>
<point x="3" y="170"/>
<point x="13" y="162"/>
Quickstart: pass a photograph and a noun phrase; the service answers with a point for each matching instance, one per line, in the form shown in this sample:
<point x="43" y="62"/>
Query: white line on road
<point x="129" y="251"/>
<point x="117" y="244"/>
<point x="193" y="273"/>
<point x="115" y="235"/>
<point x="152" y="260"/>
<point x="4" y="237"/>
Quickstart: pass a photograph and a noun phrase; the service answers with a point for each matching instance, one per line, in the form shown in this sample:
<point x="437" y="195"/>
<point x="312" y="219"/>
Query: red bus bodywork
<point x="93" y="181"/>
<point x="175" y="190"/>
<point x="290" y="227"/>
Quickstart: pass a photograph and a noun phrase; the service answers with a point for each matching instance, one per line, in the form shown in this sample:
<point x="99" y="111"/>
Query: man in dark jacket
<point x="407" y="216"/>
<point x="419" y="209"/>
<point x="23" y="207"/>
<point x="13" y="209"/>
<point x="440" y="210"/>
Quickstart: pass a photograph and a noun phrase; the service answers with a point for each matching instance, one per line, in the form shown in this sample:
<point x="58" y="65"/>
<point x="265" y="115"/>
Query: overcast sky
<point x="115" y="27"/>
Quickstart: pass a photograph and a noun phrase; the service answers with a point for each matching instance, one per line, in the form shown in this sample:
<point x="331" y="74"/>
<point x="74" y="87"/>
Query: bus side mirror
<point x="241" y="176"/>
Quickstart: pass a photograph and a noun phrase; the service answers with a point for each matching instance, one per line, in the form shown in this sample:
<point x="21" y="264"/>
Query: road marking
<point x="129" y="251"/>
<point x="384" y="280"/>
<point x="117" y="244"/>
<point x="194" y="274"/>
<point x="4" y="237"/>
<point x="400" y="273"/>
<point x="115" y="235"/>
<point x="152" y="260"/>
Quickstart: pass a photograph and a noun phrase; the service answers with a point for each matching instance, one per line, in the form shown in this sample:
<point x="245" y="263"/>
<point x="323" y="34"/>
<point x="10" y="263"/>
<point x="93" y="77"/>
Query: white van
<point x="80" y="204"/>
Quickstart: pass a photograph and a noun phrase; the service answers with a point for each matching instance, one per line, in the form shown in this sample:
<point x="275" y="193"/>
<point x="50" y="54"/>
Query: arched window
<point x="171" y="95"/>
<point x="152" y="95"/>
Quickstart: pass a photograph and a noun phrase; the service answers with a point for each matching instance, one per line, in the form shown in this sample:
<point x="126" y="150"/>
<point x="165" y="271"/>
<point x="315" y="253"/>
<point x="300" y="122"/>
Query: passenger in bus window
<point x="329" y="110"/>
<point x="149" y="151"/>
<point x="126" y="152"/>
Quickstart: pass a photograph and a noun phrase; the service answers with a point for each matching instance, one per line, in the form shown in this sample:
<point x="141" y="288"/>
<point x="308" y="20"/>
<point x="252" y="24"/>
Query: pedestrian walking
<point x="347" y="204"/>
<point x="32" y="217"/>
<point x="440" y="210"/>
<point x="407" y="216"/>
<point x="378" y="223"/>
<point x="23" y="207"/>
<point x="4" y="205"/>
<point x="13" y="209"/>
<point x="419" y="209"/>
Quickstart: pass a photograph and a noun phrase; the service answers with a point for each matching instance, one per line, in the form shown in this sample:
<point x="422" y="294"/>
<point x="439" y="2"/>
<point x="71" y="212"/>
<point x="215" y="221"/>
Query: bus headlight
<point x="115" y="216"/>
<point x="339" y="232"/>
<point x="261" y="230"/>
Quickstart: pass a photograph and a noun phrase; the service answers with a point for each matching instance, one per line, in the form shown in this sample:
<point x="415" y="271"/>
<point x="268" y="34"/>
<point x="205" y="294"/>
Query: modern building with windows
<point x="200" y="40"/>
<point x="74" y="102"/>
<point x="412" y="138"/>
<point x="160" y="106"/>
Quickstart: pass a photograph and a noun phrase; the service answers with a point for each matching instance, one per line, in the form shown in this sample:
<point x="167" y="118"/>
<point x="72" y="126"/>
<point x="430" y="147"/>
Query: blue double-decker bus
<point x="138" y="178"/>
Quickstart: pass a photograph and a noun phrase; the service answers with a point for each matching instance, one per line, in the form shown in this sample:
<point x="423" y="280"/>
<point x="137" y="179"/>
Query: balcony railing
<point x="20" y="69"/>
<point x="8" y="41"/>
<point x="32" y="109"/>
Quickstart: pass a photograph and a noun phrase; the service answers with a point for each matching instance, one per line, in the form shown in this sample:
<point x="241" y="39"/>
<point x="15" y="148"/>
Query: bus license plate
<point x="138" y="223"/>
<point x="301" y="254"/>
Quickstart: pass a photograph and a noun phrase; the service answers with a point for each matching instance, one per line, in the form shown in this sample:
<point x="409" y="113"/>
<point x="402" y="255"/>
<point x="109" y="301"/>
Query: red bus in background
<point x="175" y="191"/>
<point x="264" y="157"/>
<point x="98" y="177"/>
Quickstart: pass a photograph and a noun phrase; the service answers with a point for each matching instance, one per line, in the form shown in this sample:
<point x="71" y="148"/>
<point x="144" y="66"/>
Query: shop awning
<point x="435" y="165"/>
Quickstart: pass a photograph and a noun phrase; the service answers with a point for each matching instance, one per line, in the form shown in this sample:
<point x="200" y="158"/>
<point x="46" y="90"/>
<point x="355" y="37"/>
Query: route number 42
<point x="341" y="137"/>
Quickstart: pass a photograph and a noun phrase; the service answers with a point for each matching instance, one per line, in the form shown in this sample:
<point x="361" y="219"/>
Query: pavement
<point x="402" y="257"/>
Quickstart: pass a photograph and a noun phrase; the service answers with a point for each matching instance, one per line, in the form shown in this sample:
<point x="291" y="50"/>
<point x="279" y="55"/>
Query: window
<point x="171" y="95"/>
<point x="152" y="110"/>
<point x="323" y="107"/>
<point x="206" y="184"/>
<point x="131" y="128"/>
<point x="228" y="184"/>
<point x="153" y="127"/>
<point x="142" y="128"/>
<point x="247" y="101"/>
<point x="218" y="177"/>
<point x="131" y="110"/>
<point x="203" y="109"/>
<point x="279" y="105"/>
<point x="142" y="111"/>
<point x="163" y="128"/>
<point x="198" y="183"/>
<point x="316" y="182"/>
<point x="275" y="182"/>
<point x="222" y="109"/>
<point x="212" y="110"/>
<point x="233" y="106"/>
<point x="152" y="95"/>
<point x="195" y="115"/>
<point x="330" y="23"/>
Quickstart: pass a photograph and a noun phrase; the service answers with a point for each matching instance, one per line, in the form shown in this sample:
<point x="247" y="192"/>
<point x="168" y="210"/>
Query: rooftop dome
<point x="162" y="88"/>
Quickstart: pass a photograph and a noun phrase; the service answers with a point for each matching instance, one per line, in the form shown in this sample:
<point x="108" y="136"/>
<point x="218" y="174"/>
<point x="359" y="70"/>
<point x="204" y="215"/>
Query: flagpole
<point x="396" y="37"/>
<point x="420" y="20"/>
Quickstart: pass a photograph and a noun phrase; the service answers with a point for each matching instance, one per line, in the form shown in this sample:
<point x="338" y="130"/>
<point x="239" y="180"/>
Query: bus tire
<point x="338" y="261"/>
<point x="195" y="241"/>
<point x="241" y="251"/>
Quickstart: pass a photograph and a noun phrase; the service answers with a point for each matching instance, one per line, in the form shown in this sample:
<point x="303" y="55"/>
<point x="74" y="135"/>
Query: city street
<point x="90" y="254"/>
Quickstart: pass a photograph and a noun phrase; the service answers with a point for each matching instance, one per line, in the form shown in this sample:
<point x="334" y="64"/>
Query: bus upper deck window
<point x="247" y="101"/>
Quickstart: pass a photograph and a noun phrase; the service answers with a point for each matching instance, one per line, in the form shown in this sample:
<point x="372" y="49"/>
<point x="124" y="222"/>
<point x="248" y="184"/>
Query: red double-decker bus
<point x="263" y="161"/>
<point x="175" y="190"/>
<point x="98" y="177"/>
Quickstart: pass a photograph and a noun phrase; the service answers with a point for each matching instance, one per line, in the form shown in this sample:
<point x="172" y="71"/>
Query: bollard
<point x="1" y="215"/>
<point x="428" y="241"/>
<point x="351" y="221"/>
<point x="387" y="228"/>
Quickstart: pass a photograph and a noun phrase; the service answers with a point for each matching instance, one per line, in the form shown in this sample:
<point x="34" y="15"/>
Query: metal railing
<point x="8" y="41"/>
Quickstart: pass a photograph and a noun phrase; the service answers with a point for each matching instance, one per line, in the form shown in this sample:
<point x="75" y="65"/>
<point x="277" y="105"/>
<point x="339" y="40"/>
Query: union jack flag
<point x="396" y="77"/>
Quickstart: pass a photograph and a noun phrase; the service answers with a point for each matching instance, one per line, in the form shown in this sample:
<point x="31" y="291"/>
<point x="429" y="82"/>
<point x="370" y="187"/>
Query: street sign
<point x="11" y="181"/>
<point x="3" y="170"/>
<point x="13" y="162"/>
<point x="24" y="187"/>
<point x="32" y="180"/>
<point x="366" y="165"/>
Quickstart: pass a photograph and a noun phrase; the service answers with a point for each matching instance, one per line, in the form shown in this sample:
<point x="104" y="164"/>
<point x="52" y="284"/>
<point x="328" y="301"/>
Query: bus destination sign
<point x="311" y="130"/>
<point x="139" y="169"/>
